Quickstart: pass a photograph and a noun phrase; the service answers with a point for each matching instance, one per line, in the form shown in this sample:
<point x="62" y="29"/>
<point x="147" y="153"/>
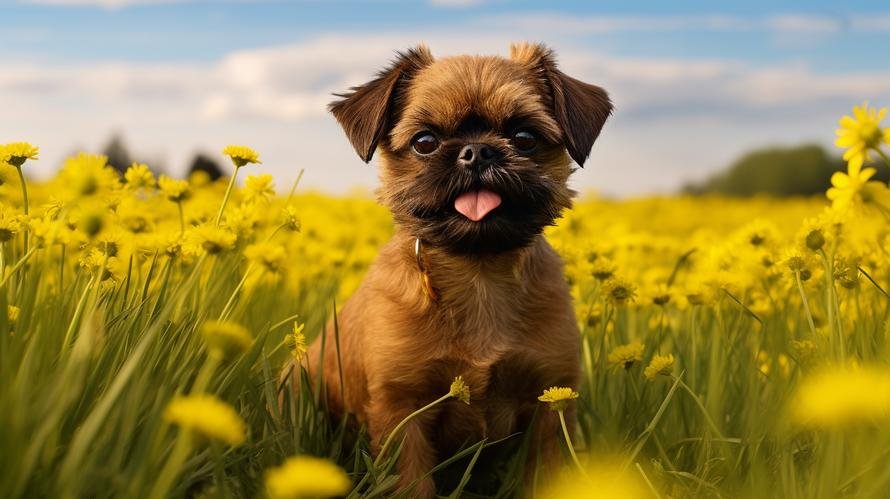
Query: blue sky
<point x="695" y="83"/>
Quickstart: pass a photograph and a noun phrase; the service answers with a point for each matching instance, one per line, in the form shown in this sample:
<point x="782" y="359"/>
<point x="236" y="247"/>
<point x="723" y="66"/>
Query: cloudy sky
<point x="694" y="83"/>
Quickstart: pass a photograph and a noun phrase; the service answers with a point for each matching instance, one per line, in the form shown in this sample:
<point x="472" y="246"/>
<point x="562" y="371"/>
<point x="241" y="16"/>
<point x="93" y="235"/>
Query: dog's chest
<point x="484" y="321"/>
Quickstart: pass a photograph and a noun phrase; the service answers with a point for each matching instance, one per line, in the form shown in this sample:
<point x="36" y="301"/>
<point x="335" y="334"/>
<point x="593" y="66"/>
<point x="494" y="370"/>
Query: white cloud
<point x="675" y="118"/>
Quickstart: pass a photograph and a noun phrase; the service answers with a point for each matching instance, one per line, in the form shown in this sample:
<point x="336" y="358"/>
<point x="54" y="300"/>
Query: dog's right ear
<point x="365" y="111"/>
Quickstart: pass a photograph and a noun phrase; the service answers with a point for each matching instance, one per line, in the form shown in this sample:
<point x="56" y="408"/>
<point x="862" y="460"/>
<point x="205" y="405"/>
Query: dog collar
<point x="425" y="282"/>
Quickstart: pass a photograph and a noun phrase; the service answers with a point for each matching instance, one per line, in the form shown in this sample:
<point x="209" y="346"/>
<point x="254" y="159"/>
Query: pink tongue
<point x="475" y="205"/>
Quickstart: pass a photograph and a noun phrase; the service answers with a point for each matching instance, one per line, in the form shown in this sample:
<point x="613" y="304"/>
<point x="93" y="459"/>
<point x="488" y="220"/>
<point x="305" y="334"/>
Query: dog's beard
<point x="530" y="201"/>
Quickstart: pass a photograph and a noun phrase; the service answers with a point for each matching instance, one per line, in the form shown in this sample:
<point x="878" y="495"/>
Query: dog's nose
<point x="476" y="155"/>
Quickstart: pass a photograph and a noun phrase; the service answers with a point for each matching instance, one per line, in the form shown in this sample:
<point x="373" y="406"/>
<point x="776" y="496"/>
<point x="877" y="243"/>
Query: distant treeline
<point x="120" y="159"/>
<point x="780" y="171"/>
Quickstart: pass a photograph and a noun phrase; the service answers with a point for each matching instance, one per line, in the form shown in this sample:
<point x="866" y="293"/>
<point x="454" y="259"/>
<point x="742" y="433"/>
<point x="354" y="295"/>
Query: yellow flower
<point x="211" y="239"/>
<point x="306" y="476"/>
<point x="272" y="257"/>
<point x="625" y="355"/>
<point x="861" y="134"/>
<point x="241" y="155"/>
<point x="602" y="269"/>
<point x="258" y="188"/>
<point x="133" y="215"/>
<point x="558" y="397"/>
<point x="460" y="390"/>
<point x="208" y="416"/>
<point x="88" y="175"/>
<point x="601" y="480"/>
<point x="48" y="231"/>
<point x="173" y="189"/>
<point x="660" y="364"/>
<point x="854" y="188"/>
<point x="619" y="291"/>
<point x="843" y="396"/>
<point x="290" y="219"/>
<point x="139" y="176"/>
<point x="226" y="338"/>
<point x="106" y="267"/>
<point x="16" y="153"/>
<point x="12" y="314"/>
<point x="9" y="223"/>
<point x="299" y="340"/>
<point x="243" y="219"/>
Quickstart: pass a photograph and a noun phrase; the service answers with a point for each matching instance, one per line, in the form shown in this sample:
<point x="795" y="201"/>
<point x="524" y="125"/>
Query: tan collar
<point x="425" y="282"/>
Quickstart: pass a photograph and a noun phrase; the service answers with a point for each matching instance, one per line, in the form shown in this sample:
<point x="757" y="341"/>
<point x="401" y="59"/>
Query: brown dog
<point x="473" y="167"/>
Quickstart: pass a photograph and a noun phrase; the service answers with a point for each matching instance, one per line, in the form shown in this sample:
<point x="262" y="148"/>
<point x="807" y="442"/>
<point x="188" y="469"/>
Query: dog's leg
<point x="417" y="456"/>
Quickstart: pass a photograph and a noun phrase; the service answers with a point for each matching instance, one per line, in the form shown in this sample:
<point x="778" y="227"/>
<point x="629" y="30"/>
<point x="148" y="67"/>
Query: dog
<point x="475" y="153"/>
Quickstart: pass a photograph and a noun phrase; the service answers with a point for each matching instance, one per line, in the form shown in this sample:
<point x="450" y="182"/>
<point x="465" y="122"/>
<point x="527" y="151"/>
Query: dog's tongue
<point x="475" y="205"/>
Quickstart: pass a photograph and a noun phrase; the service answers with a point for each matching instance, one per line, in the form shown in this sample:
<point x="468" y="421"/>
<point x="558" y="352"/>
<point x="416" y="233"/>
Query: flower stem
<point x="225" y="200"/>
<point x="883" y="156"/>
<point x="182" y="219"/>
<point x="25" y="201"/>
<point x="227" y="309"/>
<point x="395" y="431"/>
<point x="565" y="433"/>
<point x="17" y="266"/>
<point x="806" y="303"/>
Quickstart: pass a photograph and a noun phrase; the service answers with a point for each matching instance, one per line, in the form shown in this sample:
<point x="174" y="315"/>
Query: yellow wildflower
<point x="625" y="355"/>
<point x="211" y="239"/>
<point x="208" y="416"/>
<point x="106" y="267"/>
<point x="173" y="189"/>
<point x="557" y="397"/>
<point x="88" y="175"/>
<point x="619" y="291"/>
<point x="48" y="231"/>
<point x="602" y="269"/>
<point x="258" y="188"/>
<point x="304" y="477"/>
<point x="134" y="216"/>
<point x="861" y="134"/>
<point x="843" y="396"/>
<point x="241" y="155"/>
<point x="660" y="364"/>
<point x="460" y="390"/>
<point x="16" y="153"/>
<point x="9" y="223"/>
<point x="270" y="256"/>
<point x="855" y="189"/>
<point x="226" y="338"/>
<point x="602" y="480"/>
<point x="299" y="340"/>
<point x="290" y="219"/>
<point x="244" y="219"/>
<point x="139" y="176"/>
<point x="12" y="314"/>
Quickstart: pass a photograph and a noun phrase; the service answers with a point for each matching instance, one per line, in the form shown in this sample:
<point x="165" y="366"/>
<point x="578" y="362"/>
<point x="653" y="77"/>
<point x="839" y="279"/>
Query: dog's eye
<point x="425" y="143"/>
<point x="524" y="141"/>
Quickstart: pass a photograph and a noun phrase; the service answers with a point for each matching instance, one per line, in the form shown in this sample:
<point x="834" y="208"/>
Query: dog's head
<point x="473" y="149"/>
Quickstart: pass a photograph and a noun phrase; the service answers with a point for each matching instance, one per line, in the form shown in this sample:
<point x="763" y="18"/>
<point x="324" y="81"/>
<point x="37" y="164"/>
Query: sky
<point x="695" y="84"/>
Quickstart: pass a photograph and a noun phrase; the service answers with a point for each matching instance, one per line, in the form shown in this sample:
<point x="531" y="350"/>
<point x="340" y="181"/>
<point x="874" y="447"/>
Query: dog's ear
<point x="581" y="109"/>
<point x="365" y="111"/>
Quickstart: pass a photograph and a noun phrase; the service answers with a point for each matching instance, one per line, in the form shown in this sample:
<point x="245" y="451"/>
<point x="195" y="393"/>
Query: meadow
<point x="731" y="347"/>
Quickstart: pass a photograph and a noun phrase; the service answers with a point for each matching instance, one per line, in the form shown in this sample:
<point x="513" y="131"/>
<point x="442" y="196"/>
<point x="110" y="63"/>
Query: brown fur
<point x="502" y="317"/>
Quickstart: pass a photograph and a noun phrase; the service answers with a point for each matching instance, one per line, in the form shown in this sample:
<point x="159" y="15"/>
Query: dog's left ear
<point x="581" y="109"/>
<point x="365" y="111"/>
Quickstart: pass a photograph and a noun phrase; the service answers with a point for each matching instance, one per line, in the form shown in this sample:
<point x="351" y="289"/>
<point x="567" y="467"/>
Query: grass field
<point x="731" y="348"/>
